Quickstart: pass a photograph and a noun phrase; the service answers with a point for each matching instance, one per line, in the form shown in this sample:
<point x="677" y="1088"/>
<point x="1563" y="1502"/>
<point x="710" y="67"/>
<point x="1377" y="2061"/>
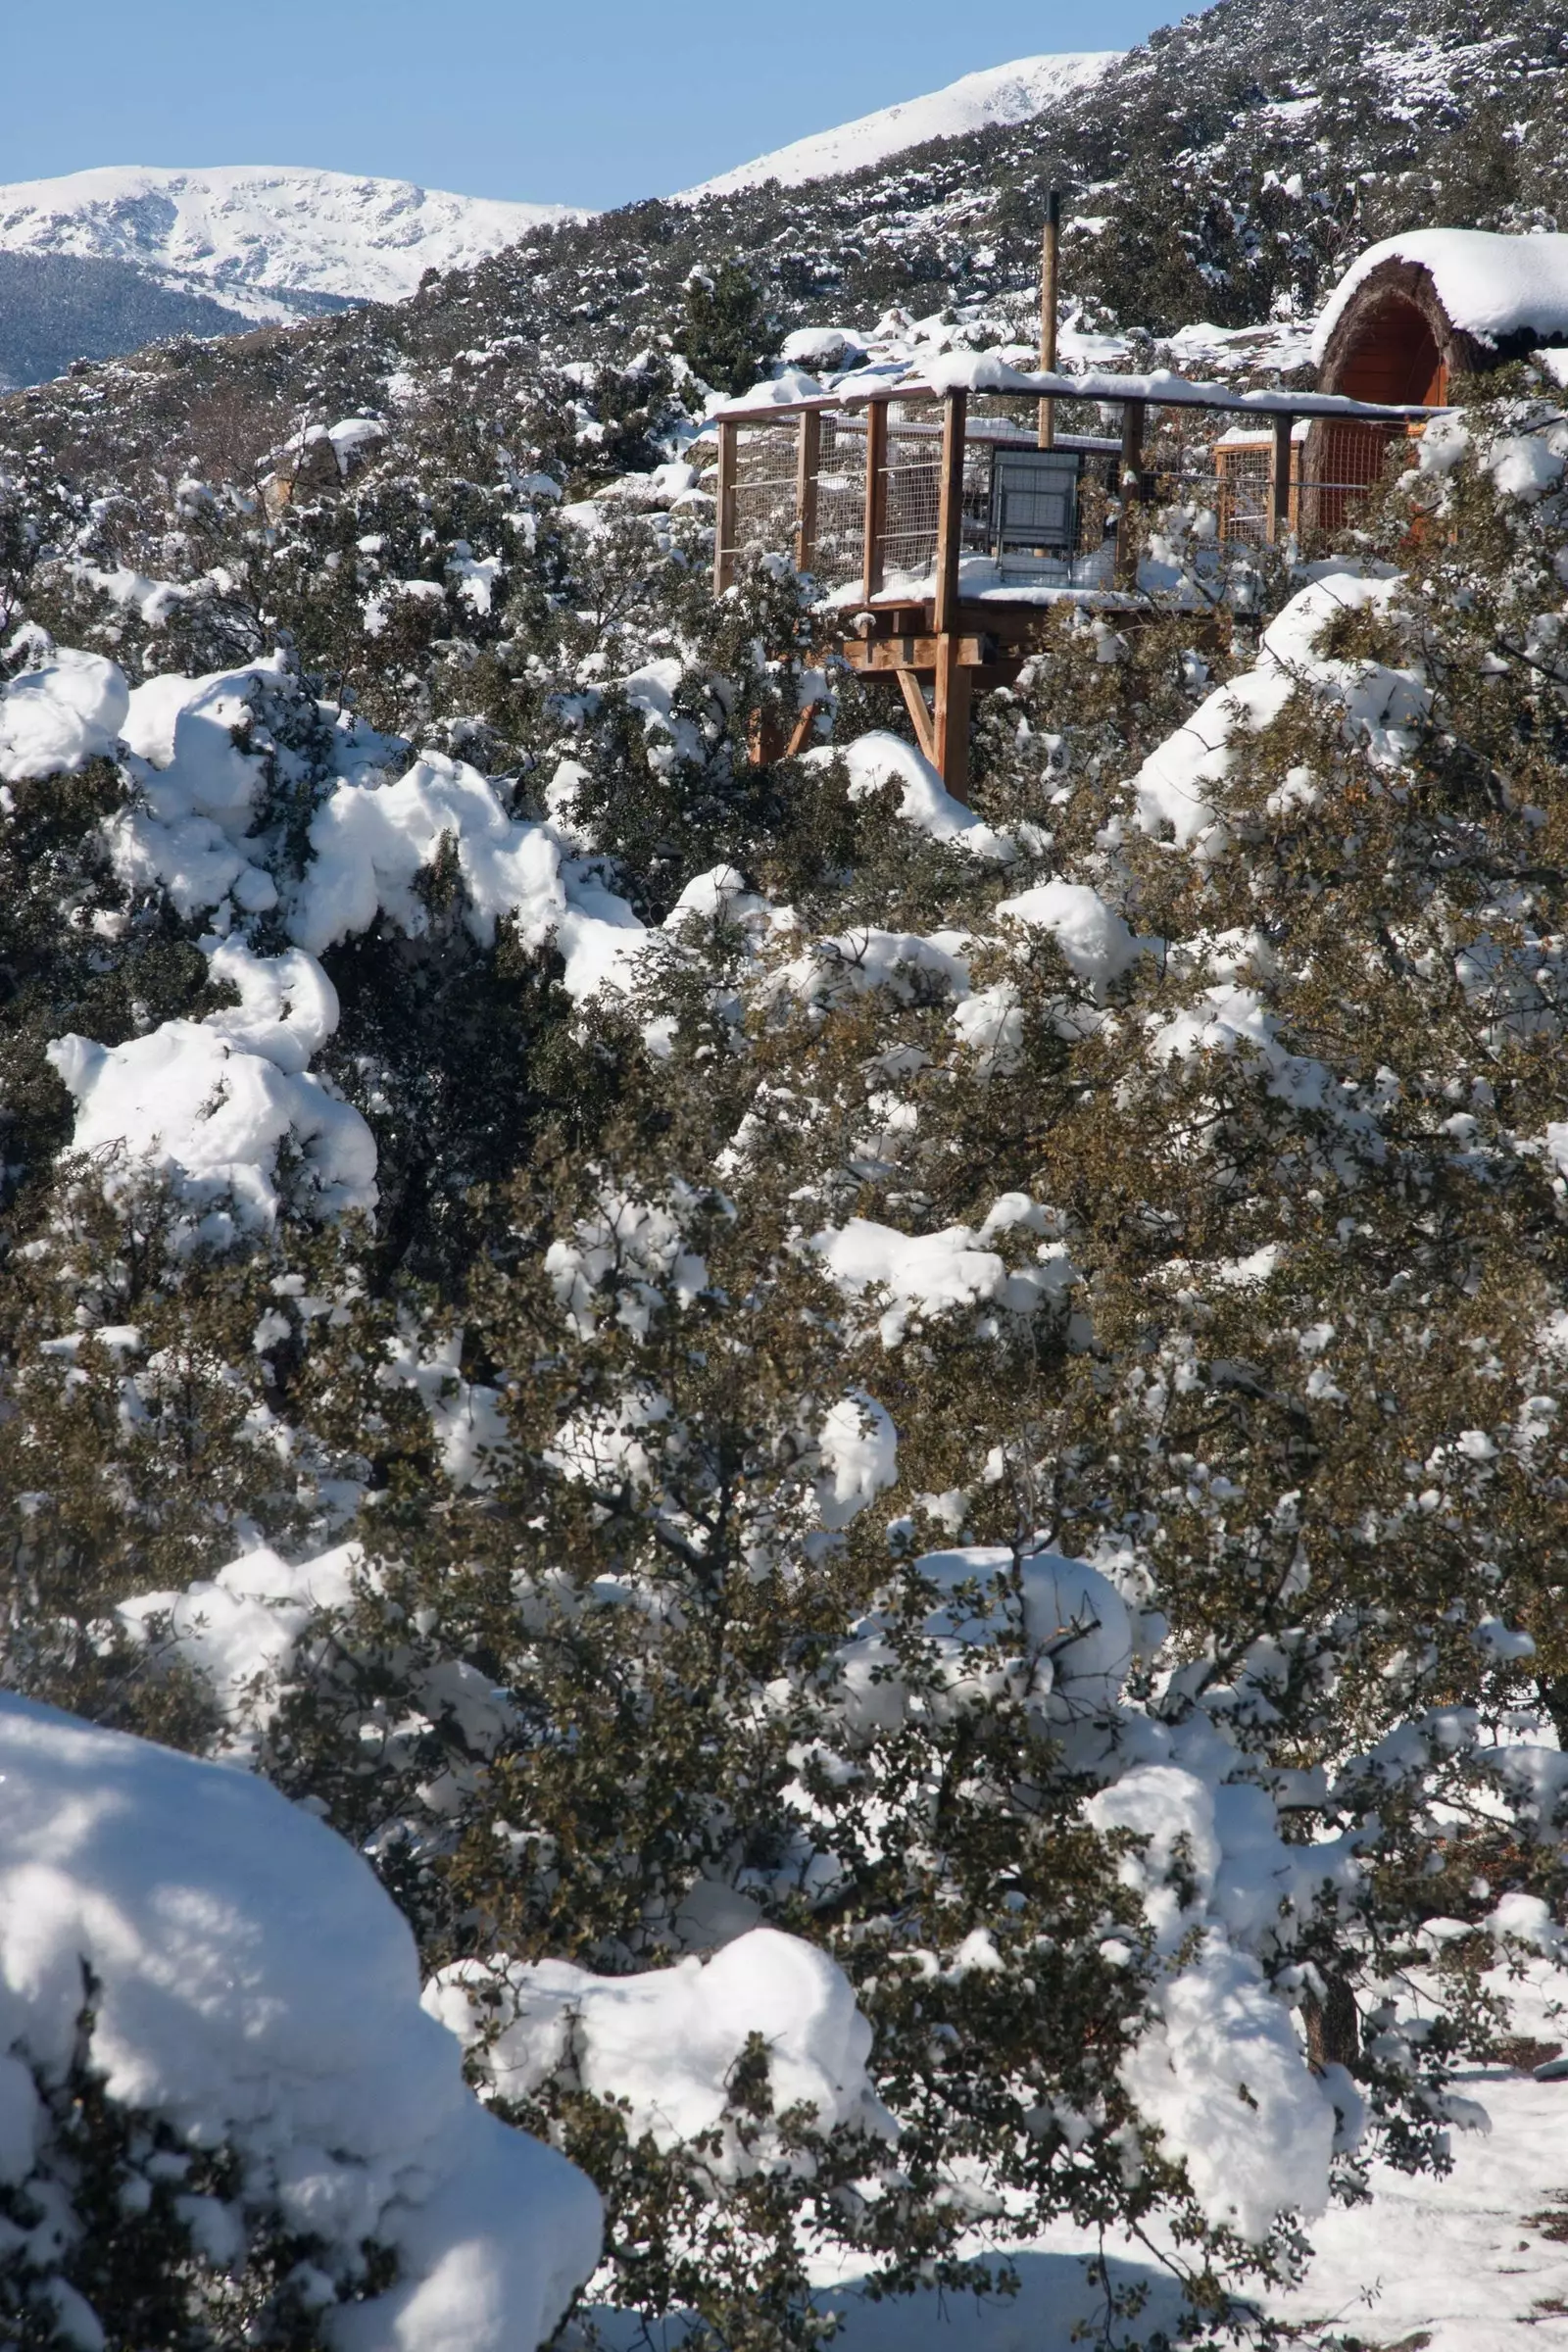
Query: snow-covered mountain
<point x="268" y="243"/>
<point x="1009" y="93"/>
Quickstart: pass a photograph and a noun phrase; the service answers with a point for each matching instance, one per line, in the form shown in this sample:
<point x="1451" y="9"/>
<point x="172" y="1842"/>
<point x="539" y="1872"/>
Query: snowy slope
<point x="270" y="244"/>
<point x="999" y="94"/>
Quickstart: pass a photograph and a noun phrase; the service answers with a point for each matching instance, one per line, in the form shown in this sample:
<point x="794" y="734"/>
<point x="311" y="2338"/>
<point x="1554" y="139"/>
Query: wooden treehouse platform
<point x="943" y="538"/>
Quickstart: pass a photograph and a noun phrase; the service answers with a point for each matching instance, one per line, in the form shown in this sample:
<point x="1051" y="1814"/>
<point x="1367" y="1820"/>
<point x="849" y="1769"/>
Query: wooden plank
<point x="1131" y="486"/>
<point x="724" y="507"/>
<point x="885" y="655"/>
<point x="915" y="704"/>
<point x="876" y="496"/>
<point x="950" y="510"/>
<point x="807" y="466"/>
<point x="1050" y="244"/>
<point x="951" y="755"/>
<point x="1279" y="519"/>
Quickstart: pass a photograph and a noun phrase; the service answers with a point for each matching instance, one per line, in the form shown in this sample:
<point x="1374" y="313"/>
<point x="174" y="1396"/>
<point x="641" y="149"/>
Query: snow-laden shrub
<point x="222" y="2112"/>
<point x="981" y="1391"/>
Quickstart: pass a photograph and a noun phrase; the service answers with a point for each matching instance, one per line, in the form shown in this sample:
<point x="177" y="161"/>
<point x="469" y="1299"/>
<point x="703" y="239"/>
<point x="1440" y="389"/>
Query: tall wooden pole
<point x="724" y="508"/>
<point x="808" y="467"/>
<point x="950" y="511"/>
<point x="951" y="715"/>
<point x="876" y="496"/>
<point x="1048" y="259"/>
<point x="1132" y="491"/>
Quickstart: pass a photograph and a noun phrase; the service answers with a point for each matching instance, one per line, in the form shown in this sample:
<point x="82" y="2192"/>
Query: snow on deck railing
<point x="983" y="372"/>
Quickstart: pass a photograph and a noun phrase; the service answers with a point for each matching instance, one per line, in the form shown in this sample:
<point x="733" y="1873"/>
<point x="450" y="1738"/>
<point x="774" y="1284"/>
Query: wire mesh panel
<point x="837" y="550"/>
<point x="765" y="467"/>
<point x="974" y="526"/>
<point x="911" y="500"/>
<point x="1345" y="459"/>
<point x="1242" y="488"/>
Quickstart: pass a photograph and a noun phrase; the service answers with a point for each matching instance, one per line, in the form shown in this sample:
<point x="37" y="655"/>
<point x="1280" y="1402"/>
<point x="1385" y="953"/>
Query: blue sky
<point x="577" y="101"/>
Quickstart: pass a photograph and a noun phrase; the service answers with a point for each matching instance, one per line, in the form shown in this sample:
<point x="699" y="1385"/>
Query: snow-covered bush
<point x="222" y="2114"/>
<point x="754" y="1380"/>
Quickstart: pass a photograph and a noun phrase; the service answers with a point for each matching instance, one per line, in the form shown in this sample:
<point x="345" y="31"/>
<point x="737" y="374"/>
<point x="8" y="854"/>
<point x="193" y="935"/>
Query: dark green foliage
<point x="725" y="335"/>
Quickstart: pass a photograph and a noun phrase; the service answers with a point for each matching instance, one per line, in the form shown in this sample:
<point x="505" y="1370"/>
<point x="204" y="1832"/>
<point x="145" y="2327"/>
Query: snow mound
<point x="667" y="2040"/>
<point x="1009" y="93"/>
<point x="880" y="758"/>
<point x="1492" y="287"/>
<point x="931" y="1273"/>
<point x="371" y="844"/>
<point x="188" y="1100"/>
<point x="1175" y="788"/>
<point x="55" y="718"/>
<point x="197" y="786"/>
<point x="1221" y="2074"/>
<point x="257" y="1987"/>
<point x="1095" y="944"/>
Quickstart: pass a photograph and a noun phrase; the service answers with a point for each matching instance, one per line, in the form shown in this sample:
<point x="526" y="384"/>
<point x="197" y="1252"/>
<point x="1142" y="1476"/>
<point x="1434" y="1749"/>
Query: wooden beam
<point x="876" y="496"/>
<point x="915" y="702"/>
<point x="1279" y="519"/>
<point x="882" y="655"/>
<point x="950" y="754"/>
<point x="724" y="507"/>
<point x="950" y="511"/>
<point x="1131" y="488"/>
<point x="1049" y="272"/>
<point x="807" y="466"/>
<point x="800" y="732"/>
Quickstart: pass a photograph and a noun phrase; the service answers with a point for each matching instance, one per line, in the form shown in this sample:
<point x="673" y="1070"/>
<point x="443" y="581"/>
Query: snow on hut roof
<point x="1493" y="288"/>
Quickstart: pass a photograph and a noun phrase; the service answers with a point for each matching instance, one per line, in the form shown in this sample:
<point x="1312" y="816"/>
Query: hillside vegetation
<point x="901" y="1466"/>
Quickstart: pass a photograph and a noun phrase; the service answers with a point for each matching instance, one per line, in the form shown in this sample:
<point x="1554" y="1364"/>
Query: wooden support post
<point x="1048" y="250"/>
<point x="876" y="496"/>
<point x="1279" y="517"/>
<point x="807" y="466"/>
<point x="950" y="754"/>
<point x="915" y="704"/>
<point x="1132" y="490"/>
<point x="802" y="731"/>
<point x="950" y="511"/>
<point x="724" y="508"/>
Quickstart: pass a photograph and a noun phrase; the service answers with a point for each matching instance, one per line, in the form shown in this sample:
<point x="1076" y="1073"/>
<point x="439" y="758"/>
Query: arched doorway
<point x="1392" y="355"/>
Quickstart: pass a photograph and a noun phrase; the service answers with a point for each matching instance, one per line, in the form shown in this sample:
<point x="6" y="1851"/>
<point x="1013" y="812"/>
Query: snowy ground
<point x="1467" y="2260"/>
<point x="1456" y="2265"/>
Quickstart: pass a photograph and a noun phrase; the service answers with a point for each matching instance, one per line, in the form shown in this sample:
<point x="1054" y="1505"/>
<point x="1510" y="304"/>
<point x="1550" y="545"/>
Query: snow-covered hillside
<point x="999" y="94"/>
<point x="268" y="243"/>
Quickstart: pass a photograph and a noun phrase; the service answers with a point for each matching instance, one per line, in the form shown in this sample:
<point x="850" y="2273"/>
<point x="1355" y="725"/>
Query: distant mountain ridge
<point x="266" y="242"/>
<point x="1009" y="93"/>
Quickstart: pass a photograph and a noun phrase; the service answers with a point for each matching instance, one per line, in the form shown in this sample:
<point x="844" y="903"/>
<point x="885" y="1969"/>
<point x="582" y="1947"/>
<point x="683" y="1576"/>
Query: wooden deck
<point x="882" y="493"/>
